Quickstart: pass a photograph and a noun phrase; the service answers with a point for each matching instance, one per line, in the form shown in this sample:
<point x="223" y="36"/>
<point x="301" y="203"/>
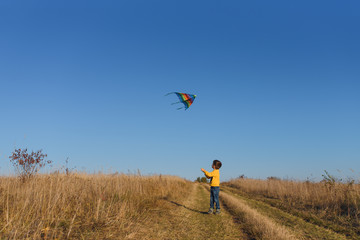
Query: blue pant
<point x="214" y="197"/>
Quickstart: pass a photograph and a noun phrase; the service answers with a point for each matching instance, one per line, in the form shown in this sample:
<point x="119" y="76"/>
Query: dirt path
<point x="188" y="219"/>
<point x="241" y="218"/>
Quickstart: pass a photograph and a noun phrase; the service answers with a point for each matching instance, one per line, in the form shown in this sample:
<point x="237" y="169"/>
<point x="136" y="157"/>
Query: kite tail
<point x="169" y="93"/>
<point x="176" y="103"/>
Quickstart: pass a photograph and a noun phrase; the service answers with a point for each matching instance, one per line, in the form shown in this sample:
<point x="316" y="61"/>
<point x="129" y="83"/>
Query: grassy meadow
<point x="120" y="206"/>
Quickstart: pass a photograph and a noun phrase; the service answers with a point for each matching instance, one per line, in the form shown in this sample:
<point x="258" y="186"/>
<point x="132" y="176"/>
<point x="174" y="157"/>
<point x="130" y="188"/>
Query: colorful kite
<point x="186" y="99"/>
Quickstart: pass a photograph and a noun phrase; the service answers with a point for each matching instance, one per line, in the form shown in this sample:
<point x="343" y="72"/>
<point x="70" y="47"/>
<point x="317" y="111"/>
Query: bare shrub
<point x="28" y="164"/>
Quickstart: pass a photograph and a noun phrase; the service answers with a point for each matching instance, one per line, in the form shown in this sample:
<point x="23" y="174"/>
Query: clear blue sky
<point x="277" y="84"/>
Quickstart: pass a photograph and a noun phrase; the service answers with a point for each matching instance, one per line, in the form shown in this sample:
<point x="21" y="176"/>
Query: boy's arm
<point x="207" y="174"/>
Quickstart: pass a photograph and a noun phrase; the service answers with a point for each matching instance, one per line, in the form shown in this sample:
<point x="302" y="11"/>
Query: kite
<point x="186" y="99"/>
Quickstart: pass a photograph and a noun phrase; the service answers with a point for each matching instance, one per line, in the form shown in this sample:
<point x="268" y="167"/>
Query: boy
<point x="215" y="186"/>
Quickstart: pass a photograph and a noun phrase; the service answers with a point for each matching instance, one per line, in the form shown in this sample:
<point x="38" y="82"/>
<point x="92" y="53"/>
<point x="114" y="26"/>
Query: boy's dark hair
<point x="217" y="164"/>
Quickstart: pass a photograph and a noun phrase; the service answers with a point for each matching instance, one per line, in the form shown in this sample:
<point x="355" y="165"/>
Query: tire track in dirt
<point x="256" y="225"/>
<point x="298" y="226"/>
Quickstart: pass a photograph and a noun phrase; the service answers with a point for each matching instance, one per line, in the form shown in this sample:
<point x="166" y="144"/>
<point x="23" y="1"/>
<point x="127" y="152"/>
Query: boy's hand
<point x="202" y="169"/>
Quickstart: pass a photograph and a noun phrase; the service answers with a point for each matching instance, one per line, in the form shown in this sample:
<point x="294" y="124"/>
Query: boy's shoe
<point x="210" y="211"/>
<point x="217" y="211"/>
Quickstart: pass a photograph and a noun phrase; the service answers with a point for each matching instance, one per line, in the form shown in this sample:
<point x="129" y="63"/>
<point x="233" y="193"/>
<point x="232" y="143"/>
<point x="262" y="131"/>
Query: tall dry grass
<point x="328" y="199"/>
<point x="81" y="206"/>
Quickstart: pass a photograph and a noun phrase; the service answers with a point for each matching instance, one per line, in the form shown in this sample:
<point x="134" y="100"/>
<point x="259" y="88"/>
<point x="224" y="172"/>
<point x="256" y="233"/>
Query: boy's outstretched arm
<point x="207" y="174"/>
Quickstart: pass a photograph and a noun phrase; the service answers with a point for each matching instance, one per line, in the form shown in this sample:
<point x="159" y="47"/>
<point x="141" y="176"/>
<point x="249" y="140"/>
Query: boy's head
<point x="216" y="164"/>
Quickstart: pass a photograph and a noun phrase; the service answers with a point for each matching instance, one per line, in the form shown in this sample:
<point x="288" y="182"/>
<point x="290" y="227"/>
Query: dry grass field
<point x="119" y="206"/>
<point x="60" y="206"/>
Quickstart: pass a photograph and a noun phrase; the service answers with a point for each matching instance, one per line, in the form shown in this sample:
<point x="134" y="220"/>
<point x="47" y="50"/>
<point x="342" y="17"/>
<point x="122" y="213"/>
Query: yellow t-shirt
<point x="215" y="177"/>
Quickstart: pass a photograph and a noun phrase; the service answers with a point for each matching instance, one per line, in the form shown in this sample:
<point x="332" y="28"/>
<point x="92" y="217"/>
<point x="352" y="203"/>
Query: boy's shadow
<point x="180" y="205"/>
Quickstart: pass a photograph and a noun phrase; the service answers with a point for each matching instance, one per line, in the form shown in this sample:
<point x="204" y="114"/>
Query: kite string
<point x="176" y="103"/>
